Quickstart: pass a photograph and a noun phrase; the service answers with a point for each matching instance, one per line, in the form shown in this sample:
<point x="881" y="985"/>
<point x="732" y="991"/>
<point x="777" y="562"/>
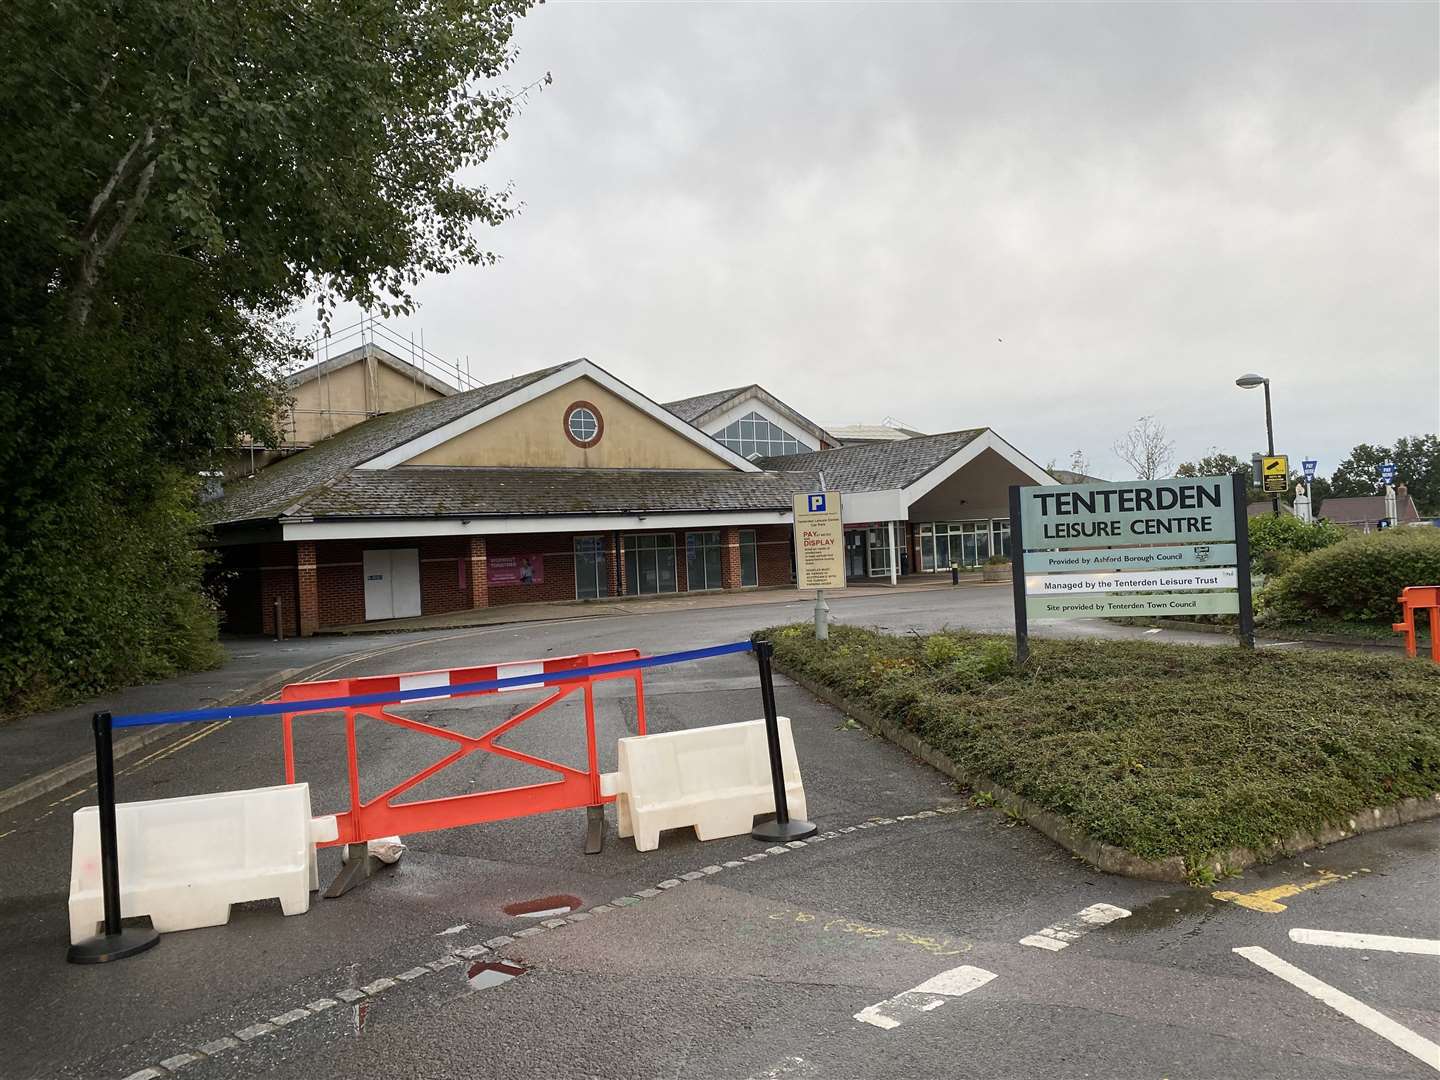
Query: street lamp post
<point x="1249" y="382"/>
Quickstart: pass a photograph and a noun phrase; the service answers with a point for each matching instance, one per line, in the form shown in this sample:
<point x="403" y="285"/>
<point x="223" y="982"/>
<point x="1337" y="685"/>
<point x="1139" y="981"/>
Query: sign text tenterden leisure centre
<point x="1181" y="509"/>
<point x="1174" y="546"/>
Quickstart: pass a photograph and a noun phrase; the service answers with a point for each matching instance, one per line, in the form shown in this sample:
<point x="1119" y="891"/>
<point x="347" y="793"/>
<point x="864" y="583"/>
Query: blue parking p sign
<point x="1309" y="467"/>
<point x="817" y="503"/>
<point x="1387" y="472"/>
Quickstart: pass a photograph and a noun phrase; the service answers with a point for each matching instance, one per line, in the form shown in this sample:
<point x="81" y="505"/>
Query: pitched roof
<point x="437" y="491"/>
<point x="271" y="492"/>
<point x="383" y="356"/>
<point x="876" y="466"/>
<point x="691" y="409"/>
<point x="705" y="407"/>
<point x="1366" y="509"/>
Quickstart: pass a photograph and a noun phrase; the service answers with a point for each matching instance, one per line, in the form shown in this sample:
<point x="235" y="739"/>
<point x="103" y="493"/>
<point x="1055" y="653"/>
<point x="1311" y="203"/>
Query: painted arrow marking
<point x="1416" y="1045"/>
<point x="929" y="995"/>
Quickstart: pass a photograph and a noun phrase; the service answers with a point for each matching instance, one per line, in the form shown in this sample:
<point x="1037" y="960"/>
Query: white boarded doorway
<point x="392" y="583"/>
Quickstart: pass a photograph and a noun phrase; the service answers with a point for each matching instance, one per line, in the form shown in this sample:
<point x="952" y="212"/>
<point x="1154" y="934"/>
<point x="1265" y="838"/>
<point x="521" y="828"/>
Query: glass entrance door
<point x="854" y="552"/>
<point x="592" y="579"/>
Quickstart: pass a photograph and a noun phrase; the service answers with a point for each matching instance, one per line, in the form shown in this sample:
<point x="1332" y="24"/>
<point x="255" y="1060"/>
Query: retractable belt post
<point x="782" y="828"/>
<point x="116" y="942"/>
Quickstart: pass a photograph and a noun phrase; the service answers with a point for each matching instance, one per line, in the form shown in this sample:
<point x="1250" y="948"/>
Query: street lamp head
<point x="1249" y="382"/>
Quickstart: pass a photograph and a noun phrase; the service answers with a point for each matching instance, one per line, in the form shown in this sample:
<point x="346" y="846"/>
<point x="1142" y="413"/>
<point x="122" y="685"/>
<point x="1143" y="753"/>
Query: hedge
<point x="1357" y="580"/>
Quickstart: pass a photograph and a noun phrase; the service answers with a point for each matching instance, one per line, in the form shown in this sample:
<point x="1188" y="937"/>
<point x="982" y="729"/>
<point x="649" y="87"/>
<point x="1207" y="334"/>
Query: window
<point x="749" y="562"/>
<point x="754" y="436"/>
<point x="967" y="543"/>
<point x="703" y="559"/>
<point x="591" y="577"/>
<point x="583" y="425"/>
<point x="649" y="564"/>
<point x="1000" y="532"/>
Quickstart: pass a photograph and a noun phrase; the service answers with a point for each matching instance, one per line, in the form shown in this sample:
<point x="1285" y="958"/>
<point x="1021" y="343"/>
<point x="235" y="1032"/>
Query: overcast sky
<point x="1045" y="219"/>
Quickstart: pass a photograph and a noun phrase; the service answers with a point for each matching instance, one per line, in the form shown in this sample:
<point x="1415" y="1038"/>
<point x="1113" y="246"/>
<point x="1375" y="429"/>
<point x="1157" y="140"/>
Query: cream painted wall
<point x="341" y="399"/>
<point x="534" y="435"/>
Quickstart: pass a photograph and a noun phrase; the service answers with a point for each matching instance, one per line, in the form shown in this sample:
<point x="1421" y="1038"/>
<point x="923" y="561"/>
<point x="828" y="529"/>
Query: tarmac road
<point x="750" y="970"/>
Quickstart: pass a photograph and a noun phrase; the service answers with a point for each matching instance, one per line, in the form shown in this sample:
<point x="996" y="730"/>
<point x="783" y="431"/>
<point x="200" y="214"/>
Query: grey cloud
<point x="851" y="203"/>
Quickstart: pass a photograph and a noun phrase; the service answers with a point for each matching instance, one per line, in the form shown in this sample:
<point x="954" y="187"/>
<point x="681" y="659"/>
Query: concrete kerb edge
<point x="1171" y="623"/>
<point x="61" y="775"/>
<point x="1107" y="857"/>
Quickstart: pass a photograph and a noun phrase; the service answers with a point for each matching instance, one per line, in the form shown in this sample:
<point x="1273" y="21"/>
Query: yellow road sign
<point x="1275" y="474"/>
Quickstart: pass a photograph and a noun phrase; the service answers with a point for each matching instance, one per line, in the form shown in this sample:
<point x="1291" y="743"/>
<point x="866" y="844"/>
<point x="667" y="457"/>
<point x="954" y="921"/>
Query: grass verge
<point x="1163" y="750"/>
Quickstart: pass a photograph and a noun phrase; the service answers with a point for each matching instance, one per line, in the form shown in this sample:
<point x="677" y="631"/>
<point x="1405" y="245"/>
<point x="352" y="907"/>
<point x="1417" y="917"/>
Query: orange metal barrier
<point x="382" y="816"/>
<point x="1420" y="598"/>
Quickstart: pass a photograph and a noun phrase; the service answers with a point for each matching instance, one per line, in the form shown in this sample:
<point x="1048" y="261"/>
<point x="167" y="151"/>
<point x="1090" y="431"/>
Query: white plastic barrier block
<point x="184" y="861"/>
<point x="716" y="779"/>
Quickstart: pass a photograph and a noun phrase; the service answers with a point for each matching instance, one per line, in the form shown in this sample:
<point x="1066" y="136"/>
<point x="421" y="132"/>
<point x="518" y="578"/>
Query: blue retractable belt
<point x="235" y="712"/>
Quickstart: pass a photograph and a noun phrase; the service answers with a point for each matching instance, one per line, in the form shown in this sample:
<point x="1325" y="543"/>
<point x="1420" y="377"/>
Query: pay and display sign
<point x="819" y="541"/>
<point x="1149" y="547"/>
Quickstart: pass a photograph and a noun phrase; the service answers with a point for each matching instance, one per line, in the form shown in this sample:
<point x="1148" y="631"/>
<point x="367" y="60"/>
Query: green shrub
<point x="1290" y="535"/>
<point x="1358" y="579"/>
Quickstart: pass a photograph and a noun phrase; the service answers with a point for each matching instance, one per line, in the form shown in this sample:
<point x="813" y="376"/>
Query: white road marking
<point x="931" y="994"/>
<point x="791" y="1066"/>
<point x="1155" y="631"/>
<point x="1058" y="935"/>
<point x="1416" y="1045"/>
<point x="1279" y="644"/>
<point x="1368" y="942"/>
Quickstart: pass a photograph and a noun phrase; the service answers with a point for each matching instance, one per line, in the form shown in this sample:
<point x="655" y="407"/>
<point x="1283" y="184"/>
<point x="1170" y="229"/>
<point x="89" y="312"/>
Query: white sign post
<point x="819" y="551"/>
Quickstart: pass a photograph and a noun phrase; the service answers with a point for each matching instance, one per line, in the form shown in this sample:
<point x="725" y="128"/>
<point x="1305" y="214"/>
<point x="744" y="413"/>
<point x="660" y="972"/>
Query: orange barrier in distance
<point x="1419" y="598"/>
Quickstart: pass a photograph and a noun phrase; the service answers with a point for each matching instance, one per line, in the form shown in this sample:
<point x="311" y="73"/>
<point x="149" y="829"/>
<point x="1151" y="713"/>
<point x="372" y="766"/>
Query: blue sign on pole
<point x="1309" y="467"/>
<point x="1387" y="472"/>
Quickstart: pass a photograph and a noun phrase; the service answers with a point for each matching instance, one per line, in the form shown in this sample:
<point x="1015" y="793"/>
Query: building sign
<point x="1175" y="547"/>
<point x="1275" y="474"/>
<point x="515" y="569"/>
<point x="819" y="541"/>
<point x="1181" y="510"/>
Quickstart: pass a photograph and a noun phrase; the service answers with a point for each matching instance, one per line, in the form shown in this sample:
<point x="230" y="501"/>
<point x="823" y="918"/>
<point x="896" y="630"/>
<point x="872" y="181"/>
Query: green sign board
<point x="1111" y="605"/>
<point x="1189" y="510"/>
<point x="1130" y="558"/>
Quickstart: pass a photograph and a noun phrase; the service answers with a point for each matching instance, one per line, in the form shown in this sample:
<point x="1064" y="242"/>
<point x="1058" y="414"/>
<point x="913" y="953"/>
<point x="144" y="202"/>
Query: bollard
<point x="116" y="942"/>
<point x="954" y="573"/>
<point x="782" y="828"/>
<point x="279" y="626"/>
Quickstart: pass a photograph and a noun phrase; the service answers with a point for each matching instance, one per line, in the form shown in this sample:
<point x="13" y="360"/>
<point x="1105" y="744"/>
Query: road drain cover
<point x="544" y="907"/>
<point x="487" y="973"/>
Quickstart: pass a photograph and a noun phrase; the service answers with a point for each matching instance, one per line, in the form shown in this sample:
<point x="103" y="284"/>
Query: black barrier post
<point x="782" y="828"/>
<point x="116" y="942"/>
<point x="1017" y="579"/>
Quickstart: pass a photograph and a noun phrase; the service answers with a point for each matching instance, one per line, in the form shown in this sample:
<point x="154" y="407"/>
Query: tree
<point x="1417" y="466"/>
<point x="1080" y="462"/>
<point x="1216" y="463"/>
<point x="1147" y="449"/>
<point x="185" y="173"/>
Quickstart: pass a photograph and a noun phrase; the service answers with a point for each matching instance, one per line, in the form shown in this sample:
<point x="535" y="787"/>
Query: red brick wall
<point x="308" y="597"/>
<point x="277" y="579"/>
<point x="730" y="557"/>
<point x="558" y="581"/>
<point x="444" y="585"/>
<point x="773" y="545"/>
<point x="340" y="580"/>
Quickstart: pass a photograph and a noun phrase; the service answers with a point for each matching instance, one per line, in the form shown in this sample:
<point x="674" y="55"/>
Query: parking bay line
<point x="1416" y="1045"/>
<point x="1368" y="942"/>
<point x="1058" y="935"/>
<point x="1268" y="900"/>
<point x="929" y="995"/>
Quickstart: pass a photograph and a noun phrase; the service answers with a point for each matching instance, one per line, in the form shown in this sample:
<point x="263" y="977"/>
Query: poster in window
<point x="515" y="570"/>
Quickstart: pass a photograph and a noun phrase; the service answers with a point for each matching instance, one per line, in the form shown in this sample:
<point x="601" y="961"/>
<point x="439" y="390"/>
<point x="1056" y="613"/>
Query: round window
<point x="583" y="424"/>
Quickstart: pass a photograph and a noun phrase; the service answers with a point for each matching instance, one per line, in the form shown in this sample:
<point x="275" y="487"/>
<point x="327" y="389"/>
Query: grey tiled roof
<point x="1362" y="509"/>
<point x="420" y="491"/>
<point x="876" y="466"/>
<point x="692" y="408"/>
<point x="270" y="493"/>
